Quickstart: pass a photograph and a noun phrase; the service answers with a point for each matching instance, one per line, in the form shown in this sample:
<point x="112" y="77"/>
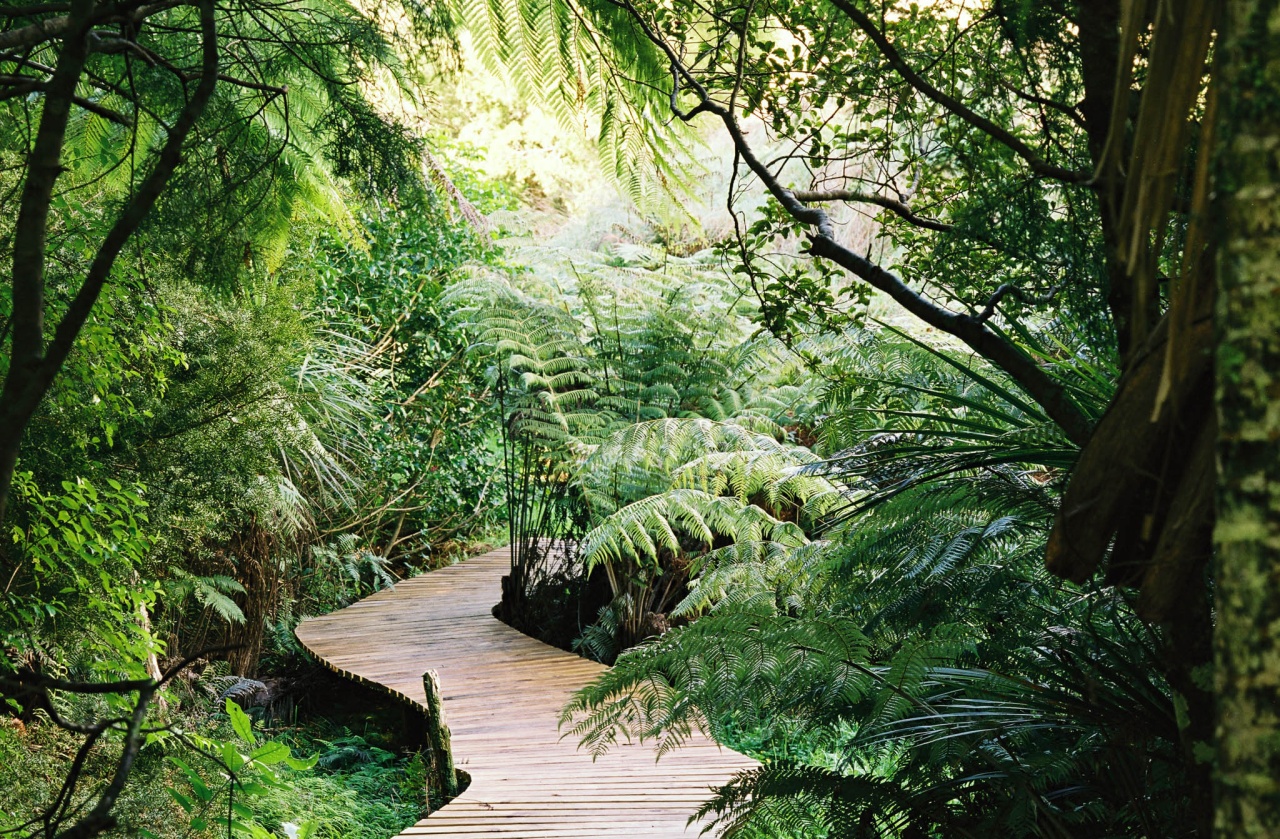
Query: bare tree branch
<point x="899" y="207"/>
<point x="22" y="85"/>
<point x="29" y="11"/>
<point x="1008" y="289"/>
<point x="61" y="27"/>
<point x="99" y="818"/>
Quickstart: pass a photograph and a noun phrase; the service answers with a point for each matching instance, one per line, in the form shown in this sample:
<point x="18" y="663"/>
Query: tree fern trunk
<point x="1247" y="643"/>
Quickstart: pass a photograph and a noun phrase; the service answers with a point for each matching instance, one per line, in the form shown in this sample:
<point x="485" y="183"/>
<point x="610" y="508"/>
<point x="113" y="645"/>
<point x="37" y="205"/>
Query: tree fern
<point x="645" y="457"/>
<point x="638" y="533"/>
<point x="1028" y="752"/>
<point x="586" y="62"/>
<point x="757" y="575"/>
<point x="587" y="384"/>
<point x="918" y="621"/>
<point x="775" y="480"/>
<point x="212" y="592"/>
<point x="788" y="799"/>
<point x="724" y="670"/>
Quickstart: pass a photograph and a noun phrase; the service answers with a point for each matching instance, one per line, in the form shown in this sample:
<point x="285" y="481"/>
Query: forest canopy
<point x="882" y="389"/>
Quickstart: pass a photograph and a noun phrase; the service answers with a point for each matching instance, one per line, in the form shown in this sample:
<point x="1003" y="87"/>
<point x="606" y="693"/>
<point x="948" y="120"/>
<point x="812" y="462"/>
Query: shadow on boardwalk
<point x="503" y="693"/>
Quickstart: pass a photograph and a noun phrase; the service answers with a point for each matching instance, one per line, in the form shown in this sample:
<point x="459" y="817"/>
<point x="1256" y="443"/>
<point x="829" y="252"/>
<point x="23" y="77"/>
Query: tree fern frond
<point x="580" y="58"/>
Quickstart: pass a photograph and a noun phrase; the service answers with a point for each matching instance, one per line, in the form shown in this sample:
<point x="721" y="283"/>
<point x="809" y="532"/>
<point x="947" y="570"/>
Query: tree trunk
<point x="1247" y="535"/>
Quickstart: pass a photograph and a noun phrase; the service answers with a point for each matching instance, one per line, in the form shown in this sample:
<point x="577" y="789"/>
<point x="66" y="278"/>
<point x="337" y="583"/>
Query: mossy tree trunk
<point x="1247" y="535"/>
<point x="439" y="737"/>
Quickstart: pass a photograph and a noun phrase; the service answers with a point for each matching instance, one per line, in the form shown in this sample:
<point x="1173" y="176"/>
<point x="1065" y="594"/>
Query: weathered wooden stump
<point x="438" y="737"/>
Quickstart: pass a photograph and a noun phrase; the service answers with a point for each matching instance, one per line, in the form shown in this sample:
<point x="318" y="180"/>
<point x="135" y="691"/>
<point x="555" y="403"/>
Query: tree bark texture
<point x="440" y="738"/>
<point x="1247" y="534"/>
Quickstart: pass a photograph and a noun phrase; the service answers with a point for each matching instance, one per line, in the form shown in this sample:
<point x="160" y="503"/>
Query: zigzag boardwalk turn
<point x="503" y="693"/>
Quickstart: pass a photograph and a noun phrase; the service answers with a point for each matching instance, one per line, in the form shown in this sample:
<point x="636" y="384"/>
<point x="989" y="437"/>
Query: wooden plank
<point x="503" y="693"/>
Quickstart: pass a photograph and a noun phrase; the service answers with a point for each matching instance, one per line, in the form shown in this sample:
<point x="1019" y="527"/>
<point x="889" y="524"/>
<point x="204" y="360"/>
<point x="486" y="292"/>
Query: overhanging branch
<point x="33" y="364"/>
<point x="898" y="207"/>
<point x="1050" y="394"/>
<point x="140" y="203"/>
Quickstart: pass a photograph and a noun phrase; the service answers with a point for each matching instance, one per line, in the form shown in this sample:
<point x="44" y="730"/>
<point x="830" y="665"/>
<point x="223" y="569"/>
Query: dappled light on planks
<point x="503" y="693"/>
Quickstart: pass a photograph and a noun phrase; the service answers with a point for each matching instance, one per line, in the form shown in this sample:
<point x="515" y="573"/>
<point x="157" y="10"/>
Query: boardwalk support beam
<point x="438" y="736"/>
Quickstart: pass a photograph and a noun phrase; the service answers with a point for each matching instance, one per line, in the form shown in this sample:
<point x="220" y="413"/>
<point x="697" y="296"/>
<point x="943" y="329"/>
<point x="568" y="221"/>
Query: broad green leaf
<point x="183" y="801"/>
<point x="240" y="722"/>
<point x="232" y="758"/>
<point x="301" y="764"/>
<point x="270" y="753"/>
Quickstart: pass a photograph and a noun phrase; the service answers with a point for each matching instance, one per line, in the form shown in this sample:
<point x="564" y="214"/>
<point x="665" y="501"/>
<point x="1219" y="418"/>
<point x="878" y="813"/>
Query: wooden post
<point x="439" y="737"/>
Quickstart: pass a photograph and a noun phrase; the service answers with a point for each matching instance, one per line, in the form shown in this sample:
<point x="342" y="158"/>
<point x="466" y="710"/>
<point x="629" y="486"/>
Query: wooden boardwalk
<point x="503" y="694"/>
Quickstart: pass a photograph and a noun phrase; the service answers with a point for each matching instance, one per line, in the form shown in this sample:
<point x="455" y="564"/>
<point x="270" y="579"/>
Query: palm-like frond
<point x="757" y="576"/>
<point x="774" y="479"/>
<point x="639" y="533"/>
<point x="585" y="61"/>
<point x="213" y="592"/>
<point x="647" y="457"/>
<point x="724" y="670"/>
<point x="903" y="414"/>
<point x="789" y="799"/>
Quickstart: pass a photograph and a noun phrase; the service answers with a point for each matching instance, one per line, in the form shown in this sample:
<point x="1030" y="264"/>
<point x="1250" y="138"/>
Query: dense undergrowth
<point x="215" y="464"/>
<point x="364" y="784"/>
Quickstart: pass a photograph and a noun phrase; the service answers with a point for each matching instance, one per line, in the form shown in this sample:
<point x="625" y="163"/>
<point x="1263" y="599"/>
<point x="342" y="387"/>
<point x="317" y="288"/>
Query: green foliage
<point x="1053" y="737"/>
<point x="859" y="128"/>
<point x="354" y="790"/>
<point x="36" y="755"/>
<point x="637" y="534"/>
<point x="602" y="640"/>
<point x="915" y="671"/>
<point x="284" y="126"/>
<point x="358" y="790"/>
<point x="646" y="457"/>
<point x="212" y="592"/>
<point x="555" y="54"/>
<point x="347" y="570"/>
<point x="590" y="392"/>
<point x="900" y="413"/>
<point x="310" y="369"/>
<point x="264" y="374"/>
<point x="305" y="410"/>
<point x="382" y="308"/>
<point x="241" y="771"/>
<point x="81" y="553"/>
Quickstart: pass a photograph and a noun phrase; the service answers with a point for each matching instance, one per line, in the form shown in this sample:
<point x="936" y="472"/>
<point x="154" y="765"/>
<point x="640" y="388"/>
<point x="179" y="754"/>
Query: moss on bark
<point x="1247" y="535"/>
